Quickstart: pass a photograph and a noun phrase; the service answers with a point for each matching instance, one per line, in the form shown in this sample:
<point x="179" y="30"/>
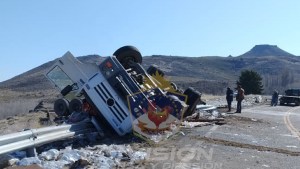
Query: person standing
<point x="274" y="101"/>
<point x="229" y="98"/>
<point x="239" y="98"/>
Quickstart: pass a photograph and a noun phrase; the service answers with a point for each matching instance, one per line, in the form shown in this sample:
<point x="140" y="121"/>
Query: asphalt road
<point x="260" y="137"/>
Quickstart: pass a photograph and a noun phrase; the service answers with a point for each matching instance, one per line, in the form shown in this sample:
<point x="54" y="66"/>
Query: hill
<point x="266" y="50"/>
<point x="209" y="74"/>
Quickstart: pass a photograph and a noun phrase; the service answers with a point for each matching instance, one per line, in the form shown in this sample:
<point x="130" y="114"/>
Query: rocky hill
<point x="210" y="74"/>
<point x="266" y="50"/>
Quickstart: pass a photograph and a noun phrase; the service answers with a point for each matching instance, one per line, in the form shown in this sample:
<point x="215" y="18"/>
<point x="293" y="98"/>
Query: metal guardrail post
<point x="31" y="152"/>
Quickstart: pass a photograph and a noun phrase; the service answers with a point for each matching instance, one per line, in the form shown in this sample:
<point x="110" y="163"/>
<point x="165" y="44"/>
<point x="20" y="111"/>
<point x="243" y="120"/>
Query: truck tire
<point x="194" y="98"/>
<point x="76" y="105"/>
<point x="297" y="102"/>
<point x="126" y="54"/>
<point x="153" y="69"/>
<point x="61" y="107"/>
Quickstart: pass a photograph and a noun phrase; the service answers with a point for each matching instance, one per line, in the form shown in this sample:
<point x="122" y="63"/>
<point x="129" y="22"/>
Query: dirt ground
<point x="22" y="122"/>
<point x="257" y="138"/>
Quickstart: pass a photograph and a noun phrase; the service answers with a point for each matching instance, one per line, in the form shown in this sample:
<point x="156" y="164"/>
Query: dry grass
<point x="14" y="102"/>
<point x="16" y="107"/>
<point x="21" y="122"/>
<point x="15" y="116"/>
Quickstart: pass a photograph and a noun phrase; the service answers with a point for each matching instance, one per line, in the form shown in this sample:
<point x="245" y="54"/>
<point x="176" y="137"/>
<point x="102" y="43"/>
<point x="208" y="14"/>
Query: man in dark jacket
<point x="229" y="98"/>
<point x="275" y="98"/>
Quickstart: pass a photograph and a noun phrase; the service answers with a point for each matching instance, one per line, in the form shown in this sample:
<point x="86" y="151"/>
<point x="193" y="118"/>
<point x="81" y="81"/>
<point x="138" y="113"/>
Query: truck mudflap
<point x="156" y="115"/>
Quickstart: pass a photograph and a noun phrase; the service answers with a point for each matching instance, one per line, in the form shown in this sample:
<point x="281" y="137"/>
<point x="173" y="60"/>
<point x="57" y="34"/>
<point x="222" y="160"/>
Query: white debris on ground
<point x="187" y="124"/>
<point x="99" y="156"/>
<point x="204" y="115"/>
<point x="174" y="128"/>
<point x="249" y="100"/>
<point x="208" y="114"/>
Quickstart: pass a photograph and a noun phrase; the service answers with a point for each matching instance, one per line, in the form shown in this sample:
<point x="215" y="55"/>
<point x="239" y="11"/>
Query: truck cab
<point x="103" y="86"/>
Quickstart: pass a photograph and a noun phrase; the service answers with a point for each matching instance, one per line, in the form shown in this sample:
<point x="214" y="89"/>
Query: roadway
<point x="260" y="137"/>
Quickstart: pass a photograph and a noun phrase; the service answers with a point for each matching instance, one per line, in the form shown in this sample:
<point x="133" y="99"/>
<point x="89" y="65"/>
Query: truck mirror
<point x="66" y="90"/>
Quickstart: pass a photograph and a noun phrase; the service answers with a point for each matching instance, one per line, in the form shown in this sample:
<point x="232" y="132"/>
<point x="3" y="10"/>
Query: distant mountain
<point x="209" y="74"/>
<point x="266" y="50"/>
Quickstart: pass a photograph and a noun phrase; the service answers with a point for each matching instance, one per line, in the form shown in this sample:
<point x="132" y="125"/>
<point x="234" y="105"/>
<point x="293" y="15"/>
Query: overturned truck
<point x="120" y="94"/>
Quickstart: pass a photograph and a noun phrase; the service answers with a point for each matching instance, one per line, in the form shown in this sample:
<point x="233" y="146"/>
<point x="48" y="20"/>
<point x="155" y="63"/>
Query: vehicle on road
<point x="292" y="96"/>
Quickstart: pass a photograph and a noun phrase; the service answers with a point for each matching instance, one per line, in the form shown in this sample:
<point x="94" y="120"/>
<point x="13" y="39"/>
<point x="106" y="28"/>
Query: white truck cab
<point x="91" y="81"/>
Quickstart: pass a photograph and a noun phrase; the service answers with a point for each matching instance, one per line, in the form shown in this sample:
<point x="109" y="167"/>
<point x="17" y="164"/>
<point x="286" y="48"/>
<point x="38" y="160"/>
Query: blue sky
<point x="33" y="32"/>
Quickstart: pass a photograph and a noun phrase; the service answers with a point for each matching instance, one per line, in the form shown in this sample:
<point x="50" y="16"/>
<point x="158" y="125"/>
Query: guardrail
<point x="36" y="137"/>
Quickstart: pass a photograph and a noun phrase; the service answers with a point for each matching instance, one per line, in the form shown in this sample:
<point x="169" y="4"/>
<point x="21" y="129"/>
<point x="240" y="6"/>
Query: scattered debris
<point x="205" y="113"/>
<point x="50" y="155"/>
<point x="99" y="156"/>
<point x="194" y="124"/>
<point x="258" y="99"/>
<point x="39" y="107"/>
<point x="77" y="117"/>
<point x="253" y="119"/>
<point x="29" y="161"/>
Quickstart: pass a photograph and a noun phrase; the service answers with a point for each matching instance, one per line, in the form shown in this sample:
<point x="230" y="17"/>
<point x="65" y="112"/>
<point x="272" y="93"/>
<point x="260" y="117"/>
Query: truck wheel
<point x="194" y="98"/>
<point x="297" y="103"/>
<point x="126" y="54"/>
<point x="61" y="107"/>
<point x="281" y="103"/>
<point x="153" y="69"/>
<point x="76" y="105"/>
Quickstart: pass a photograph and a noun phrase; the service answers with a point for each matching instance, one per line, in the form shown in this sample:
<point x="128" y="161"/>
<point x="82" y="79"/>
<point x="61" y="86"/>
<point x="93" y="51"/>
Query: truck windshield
<point x="59" y="77"/>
